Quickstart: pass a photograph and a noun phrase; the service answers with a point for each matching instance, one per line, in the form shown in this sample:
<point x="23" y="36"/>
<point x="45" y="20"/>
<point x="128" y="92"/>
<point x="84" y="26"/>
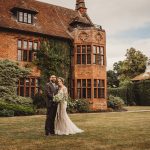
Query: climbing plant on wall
<point x="54" y="58"/>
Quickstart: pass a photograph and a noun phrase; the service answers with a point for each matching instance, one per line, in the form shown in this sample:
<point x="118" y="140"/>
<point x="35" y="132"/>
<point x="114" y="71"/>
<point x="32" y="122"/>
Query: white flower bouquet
<point x="60" y="97"/>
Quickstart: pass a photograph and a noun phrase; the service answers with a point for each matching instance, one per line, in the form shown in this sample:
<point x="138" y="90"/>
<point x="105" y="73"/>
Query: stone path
<point x="138" y="111"/>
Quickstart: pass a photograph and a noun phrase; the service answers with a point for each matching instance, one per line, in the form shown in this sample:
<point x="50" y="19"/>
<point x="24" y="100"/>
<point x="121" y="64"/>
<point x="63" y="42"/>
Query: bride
<point x="63" y="124"/>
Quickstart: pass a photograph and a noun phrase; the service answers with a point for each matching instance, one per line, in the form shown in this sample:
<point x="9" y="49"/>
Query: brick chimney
<point x="80" y="6"/>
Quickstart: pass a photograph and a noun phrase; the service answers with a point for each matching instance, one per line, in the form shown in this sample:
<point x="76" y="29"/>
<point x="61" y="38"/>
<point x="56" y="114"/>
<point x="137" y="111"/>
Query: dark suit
<point x="50" y="91"/>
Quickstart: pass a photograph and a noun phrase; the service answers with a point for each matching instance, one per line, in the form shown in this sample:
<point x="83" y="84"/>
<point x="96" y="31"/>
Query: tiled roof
<point x="50" y="19"/>
<point x="143" y="76"/>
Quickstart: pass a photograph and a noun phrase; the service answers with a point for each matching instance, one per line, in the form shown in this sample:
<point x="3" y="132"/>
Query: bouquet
<point x="60" y="97"/>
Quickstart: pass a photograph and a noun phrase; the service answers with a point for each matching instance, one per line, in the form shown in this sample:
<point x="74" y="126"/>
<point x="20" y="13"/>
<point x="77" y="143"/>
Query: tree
<point x="134" y="64"/>
<point x="112" y="79"/>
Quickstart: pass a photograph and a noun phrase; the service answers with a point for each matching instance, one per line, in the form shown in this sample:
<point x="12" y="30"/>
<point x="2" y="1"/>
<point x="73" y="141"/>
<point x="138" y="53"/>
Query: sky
<point x="127" y="24"/>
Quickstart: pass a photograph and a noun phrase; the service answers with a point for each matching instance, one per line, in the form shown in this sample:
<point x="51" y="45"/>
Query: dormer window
<point x="25" y="17"/>
<point x="24" y="14"/>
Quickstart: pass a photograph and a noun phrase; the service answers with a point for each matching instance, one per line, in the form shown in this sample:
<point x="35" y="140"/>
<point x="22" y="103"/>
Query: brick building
<point x="24" y="22"/>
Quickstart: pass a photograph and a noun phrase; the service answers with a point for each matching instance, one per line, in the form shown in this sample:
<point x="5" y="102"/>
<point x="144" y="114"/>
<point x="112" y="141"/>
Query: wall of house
<point x="90" y="36"/>
<point x="8" y="48"/>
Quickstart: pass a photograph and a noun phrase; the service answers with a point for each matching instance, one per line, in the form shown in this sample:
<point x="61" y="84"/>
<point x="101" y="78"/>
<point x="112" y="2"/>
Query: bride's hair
<point x="62" y="79"/>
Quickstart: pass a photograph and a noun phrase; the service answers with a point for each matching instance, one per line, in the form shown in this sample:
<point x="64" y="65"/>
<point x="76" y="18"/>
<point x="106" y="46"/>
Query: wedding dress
<point x="63" y="124"/>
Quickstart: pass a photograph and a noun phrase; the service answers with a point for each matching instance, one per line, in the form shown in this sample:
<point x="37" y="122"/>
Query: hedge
<point x="18" y="109"/>
<point x="124" y="92"/>
<point x="142" y="92"/>
<point x="134" y="93"/>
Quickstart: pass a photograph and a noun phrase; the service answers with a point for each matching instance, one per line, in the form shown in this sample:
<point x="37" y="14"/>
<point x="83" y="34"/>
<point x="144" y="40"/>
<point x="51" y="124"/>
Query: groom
<point x="51" y="89"/>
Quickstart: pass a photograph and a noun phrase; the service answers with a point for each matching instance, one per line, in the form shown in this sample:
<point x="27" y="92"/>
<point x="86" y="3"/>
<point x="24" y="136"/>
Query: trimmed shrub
<point x="6" y="113"/>
<point x="27" y="101"/>
<point x="82" y="105"/>
<point x="71" y="106"/>
<point x="125" y="92"/>
<point x="10" y="72"/>
<point x="137" y="93"/>
<point x="41" y="111"/>
<point x="78" y="105"/>
<point x="115" y="102"/>
<point x="18" y="109"/>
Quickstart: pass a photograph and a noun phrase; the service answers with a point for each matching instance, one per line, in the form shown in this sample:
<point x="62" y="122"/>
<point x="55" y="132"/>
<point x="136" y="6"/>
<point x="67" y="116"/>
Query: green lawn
<point x="103" y="131"/>
<point x="135" y="108"/>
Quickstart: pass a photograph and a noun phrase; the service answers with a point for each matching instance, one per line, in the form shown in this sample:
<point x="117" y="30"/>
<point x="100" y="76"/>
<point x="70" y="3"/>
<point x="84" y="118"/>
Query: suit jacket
<point x="50" y="91"/>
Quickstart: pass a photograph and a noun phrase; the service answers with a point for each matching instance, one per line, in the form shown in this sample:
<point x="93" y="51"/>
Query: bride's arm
<point x="66" y="92"/>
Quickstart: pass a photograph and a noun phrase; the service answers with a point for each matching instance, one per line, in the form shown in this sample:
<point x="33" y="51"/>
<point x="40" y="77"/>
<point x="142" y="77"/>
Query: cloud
<point x="116" y="49"/>
<point x="116" y="15"/>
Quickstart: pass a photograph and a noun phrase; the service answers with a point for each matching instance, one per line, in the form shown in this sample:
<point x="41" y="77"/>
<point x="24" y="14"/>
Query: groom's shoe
<point x="46" y="133"/>
<point x="52" y="134"/>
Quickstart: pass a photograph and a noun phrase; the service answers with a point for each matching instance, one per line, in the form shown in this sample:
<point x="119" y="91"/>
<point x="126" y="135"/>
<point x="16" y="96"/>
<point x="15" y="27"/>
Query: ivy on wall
<point x="54" y="58"/>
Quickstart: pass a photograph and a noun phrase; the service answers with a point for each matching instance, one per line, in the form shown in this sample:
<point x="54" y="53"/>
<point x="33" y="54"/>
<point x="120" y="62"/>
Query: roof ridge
<point x="54" y="5"/>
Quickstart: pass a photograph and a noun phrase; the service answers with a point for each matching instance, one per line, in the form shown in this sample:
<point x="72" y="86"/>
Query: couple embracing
<point x="57" y="119"/>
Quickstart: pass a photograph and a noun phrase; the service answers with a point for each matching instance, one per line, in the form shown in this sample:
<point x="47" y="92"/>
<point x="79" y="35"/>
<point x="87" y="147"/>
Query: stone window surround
<point x="84" y="88"/>
<point x="27" y="49"/>
<point x="96" y="88"/>
<point x="96" y="54"/>
<point x="24" y="17"/>
<point x="99" y="88"/>
<point x="28" y="87"/>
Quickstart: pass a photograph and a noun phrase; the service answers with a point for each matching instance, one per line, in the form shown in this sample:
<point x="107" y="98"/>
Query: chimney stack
<point x="80" y="6"/>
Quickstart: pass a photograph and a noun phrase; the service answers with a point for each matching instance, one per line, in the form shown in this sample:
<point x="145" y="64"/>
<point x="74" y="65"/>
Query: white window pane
<point x="19" y="44"/>
<point x="20" y="16"/>
<point x="94" y="49"/>
<point x="35" y="45"/>
<point x="25" y="17"/>
<point x="98" y="50"/>
<point x="102" y="50"/>
<point x="102" y="60"/>
<point x="25" y="44"/>
<point x="37" y="82"/>
<point x="19" y="55"/>
<point x="30" y="45"/>
<point x="29" y="18"/>
<point x="78" y="83"/>
<point x="98" y="83"/>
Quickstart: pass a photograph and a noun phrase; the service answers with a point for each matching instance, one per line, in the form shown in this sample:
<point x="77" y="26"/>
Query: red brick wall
<point x="91" y="36"/>
<point x="8" y="48"/>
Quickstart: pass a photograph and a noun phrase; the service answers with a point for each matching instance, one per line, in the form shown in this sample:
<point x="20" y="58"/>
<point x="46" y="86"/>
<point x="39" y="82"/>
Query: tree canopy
<point x="123" y="71"/>
<point x="133" y="65"/>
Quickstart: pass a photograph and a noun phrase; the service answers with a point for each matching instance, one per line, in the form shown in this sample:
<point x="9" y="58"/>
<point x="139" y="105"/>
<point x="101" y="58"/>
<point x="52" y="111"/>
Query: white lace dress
<point x="63" y="124"/>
